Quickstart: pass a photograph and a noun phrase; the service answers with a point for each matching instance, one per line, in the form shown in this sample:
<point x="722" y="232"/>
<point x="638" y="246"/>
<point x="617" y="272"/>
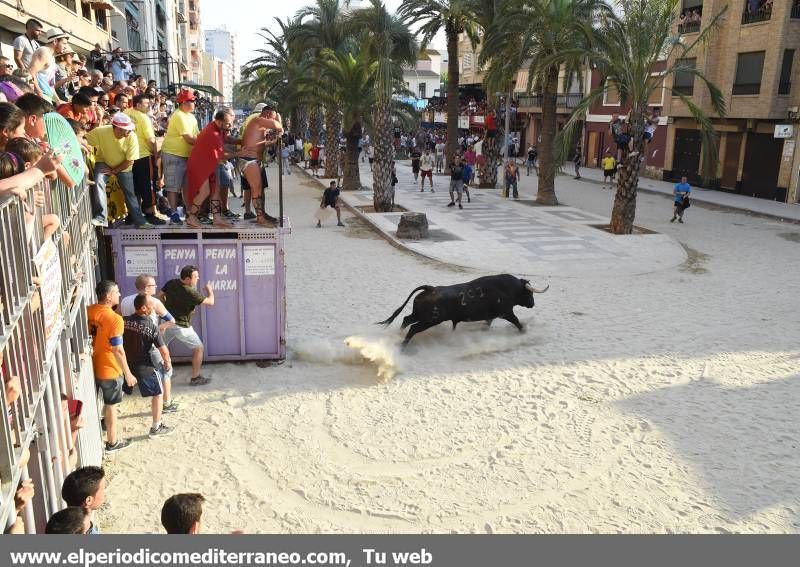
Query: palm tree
<point x="386" y="41"/>
<point x="277" y="69"/>
<point x="625" y="53"/>
<point x="322" y="28"/>
<point x="544" y="36"/>
<point x="454" y="17"/>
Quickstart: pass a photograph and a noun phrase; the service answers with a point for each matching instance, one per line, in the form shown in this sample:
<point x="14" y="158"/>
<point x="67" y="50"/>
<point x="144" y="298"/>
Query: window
<point x="656" y="97"/>
<point x="748" y="73"/>
<point x="785" y="81"/>
<point x="683" y="82"/>
<point x="422" y="90"/>
<point x="86" y="10"/>
<point x="68" y="4"/>
<point x="100" y="19"/>
<point x="611" y="96"/>
<point x="468" y="61"/>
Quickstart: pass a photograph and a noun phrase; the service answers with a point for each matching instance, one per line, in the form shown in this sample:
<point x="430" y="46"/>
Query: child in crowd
<point x="73" y="520"/>
<point x="181" y="513"/>
<point x="12" y="164"/>
<point x="85" y="487"/>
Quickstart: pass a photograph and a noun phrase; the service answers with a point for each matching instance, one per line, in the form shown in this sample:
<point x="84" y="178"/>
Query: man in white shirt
<point x="26" y="44"/>
<point x="426" y="169"/>
<point x="440" y="146"/>
<point x="146" y="285"/>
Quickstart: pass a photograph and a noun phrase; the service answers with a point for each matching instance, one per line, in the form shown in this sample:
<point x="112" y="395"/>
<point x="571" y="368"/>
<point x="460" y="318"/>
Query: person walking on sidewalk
<point x="577" y="161"/>
<point x="681" y="198"/>
<point x="456" y="181"/>
<point x="531" y="162"/>
<point x="609" y="169"/>
<point x="467" y="176"/>
<point x="416" y="156"/>
<point x="426" y="167"/>
<point x="511" y="173"/>
<point x="330" y="198"/>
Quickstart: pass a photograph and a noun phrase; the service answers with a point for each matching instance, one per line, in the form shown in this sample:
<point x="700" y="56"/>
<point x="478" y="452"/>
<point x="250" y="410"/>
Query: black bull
<point x="484" y="299"/>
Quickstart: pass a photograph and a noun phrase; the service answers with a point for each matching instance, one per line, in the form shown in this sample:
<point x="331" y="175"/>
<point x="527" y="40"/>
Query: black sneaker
<point x="459" y="206"/>
<point x="249" y="216"/>
<point x="199" y="381"/>
<point x="152" y="219"/>
<point x="229" y="214"/>
<point x="171" y="407"/>
<point x="160" y="431"/>
<point x="118" y="446"/>
<point x="451" y="204"/>
<point x="204" y="219"/>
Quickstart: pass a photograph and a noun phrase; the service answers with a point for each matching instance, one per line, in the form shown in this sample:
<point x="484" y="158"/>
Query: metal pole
<point x="508" y="125"/>
<point x="279" y="155"/>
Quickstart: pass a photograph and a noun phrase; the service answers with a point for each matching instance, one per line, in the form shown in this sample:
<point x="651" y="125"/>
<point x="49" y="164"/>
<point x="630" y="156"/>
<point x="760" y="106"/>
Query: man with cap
<point x="43" y="64"/>
<point x="260" y="132"/>
<point x="182" y="131"/>
<point x="116" y="149"/>
<point x="27" y="44"/>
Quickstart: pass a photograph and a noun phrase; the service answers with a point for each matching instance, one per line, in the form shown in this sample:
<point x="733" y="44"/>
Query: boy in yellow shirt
<point x="609" y="168"/>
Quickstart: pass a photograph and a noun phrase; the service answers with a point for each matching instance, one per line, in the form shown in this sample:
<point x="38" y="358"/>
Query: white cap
<point x="259" y="107"/>
<point x="55" y="33"/>
<point x="122" y="120"/>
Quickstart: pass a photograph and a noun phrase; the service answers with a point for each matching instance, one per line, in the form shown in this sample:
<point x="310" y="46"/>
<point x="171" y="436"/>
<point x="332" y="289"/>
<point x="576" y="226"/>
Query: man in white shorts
<point x="146" y="285"/>
<point x="180" y="297"/>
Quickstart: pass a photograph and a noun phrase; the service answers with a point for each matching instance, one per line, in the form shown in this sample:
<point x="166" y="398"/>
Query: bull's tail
<point x="388" y="321"/>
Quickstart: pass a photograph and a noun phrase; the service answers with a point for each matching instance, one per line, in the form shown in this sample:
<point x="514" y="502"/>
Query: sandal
<point x="199" y="381"/>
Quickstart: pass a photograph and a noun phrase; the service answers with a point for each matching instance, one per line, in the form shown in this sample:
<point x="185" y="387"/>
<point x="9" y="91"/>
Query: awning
<point x="105" y="5"/>
<point x="205" y="88"/>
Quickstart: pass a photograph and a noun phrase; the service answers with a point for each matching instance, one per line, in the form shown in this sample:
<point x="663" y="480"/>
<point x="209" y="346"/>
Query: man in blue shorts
<point x="141" y="335"/>
<point x="681" y="197"/>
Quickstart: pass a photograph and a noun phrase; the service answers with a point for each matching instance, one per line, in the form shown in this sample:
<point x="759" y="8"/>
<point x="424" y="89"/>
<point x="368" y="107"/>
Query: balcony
<point x="180" y="12"/>
<point x="530" y="101"/>
<point x="784" y="87"/>
<point x="756" y="11"/>
<point x="568" y="100"/>
<point x="689" y="27"/>
<point x="795" y="13"/>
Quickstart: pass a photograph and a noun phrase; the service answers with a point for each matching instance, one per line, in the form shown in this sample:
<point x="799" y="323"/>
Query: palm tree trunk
<point x="546" y="193"/>
<point x="493" y="160"/>
<point x="383" y="192"/>
<point x="332" y="126"/>
<point x="313" y="125"/>
<point x="452" y="93"/>
<point x="351" y="177"/>
<point x="623" y="213"/>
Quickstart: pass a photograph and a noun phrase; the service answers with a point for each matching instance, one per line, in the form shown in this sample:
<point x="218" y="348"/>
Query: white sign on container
<point x="784" y="130"/>
<point x="141" y="260"/>
<point x="259" y="260"/>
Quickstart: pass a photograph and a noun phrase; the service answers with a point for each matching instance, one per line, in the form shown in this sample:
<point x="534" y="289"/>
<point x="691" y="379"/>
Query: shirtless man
<point x="261" y="131"/>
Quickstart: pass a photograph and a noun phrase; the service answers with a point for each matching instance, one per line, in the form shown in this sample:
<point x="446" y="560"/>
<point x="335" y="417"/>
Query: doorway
<point x="730" y="167"/>
<point x="686" y="160"/>
<point x="762" y="163"/>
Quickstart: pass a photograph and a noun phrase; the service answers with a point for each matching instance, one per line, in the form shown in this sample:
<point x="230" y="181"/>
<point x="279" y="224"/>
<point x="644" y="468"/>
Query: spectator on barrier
<point x="95" y="112"/>
<point x="43" y="66"/>
<point x="163" y="319"/>
<point x="116" y="151"/>
<point x="118" y="65"/>
<point x="72" y="520"/>
<point x="140" y="339"/>
<point x="108" y="358"/>
<point x="12" y="123"/>
<point x="181" y="513"/>
<point x="27" y="44"/>
<point x="145" y="165"/>
<point x="78" y="109"/>
<point x="96" y="60"/>
<point x="181" y="135"/>
<point x="180" y="297"/>
<point x="86" y="488"/>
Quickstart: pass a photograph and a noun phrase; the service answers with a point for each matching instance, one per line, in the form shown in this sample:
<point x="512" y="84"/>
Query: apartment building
<point x="751" y="58"/>
<point x="220" y="44"/>
<point x="87" y="22"/>
<point x="424" y="78"/>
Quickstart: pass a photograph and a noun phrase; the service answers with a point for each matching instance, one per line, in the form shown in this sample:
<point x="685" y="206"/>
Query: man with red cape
<point x="206" y="154"/>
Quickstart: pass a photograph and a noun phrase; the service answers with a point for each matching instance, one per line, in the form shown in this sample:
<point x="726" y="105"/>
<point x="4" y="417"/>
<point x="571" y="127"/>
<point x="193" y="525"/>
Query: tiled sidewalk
<point x="492" y="234"/>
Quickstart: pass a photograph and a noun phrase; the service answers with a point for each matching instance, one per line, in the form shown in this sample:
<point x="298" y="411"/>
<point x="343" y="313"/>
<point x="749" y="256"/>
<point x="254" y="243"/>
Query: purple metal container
<point x="244" y="266"/>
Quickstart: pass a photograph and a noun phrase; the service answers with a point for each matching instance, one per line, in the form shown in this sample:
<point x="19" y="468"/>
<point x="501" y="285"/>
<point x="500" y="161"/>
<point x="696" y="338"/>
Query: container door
<point x="222" y="323"/>
<point x="260" y="292"/>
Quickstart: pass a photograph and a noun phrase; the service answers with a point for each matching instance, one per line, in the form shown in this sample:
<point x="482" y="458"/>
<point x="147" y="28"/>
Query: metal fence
<point x="45" y="287"/>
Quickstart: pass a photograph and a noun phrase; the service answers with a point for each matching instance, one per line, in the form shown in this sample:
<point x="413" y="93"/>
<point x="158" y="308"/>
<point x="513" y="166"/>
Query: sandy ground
<point x="665" y="402"/>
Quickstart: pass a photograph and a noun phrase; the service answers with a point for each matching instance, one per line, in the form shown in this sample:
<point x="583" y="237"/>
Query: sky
<point x="239" y="17"/>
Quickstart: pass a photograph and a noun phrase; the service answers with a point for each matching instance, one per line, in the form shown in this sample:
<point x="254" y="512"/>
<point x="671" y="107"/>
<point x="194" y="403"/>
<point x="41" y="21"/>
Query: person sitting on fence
<point x="163" y="319"/>
<point x="140" y="339"/>
<point x="330" y="198"/>
<point x="180" y="297"/>
<point x="72" y="520"/>
<point x="117" y="150"/>
<point x="181" y="513"/>
<point x="85" y="487"/>
<point x="108" y="358"/>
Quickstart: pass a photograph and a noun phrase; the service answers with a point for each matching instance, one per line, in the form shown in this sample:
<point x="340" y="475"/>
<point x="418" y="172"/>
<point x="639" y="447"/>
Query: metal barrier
<point x="45" y="287"/>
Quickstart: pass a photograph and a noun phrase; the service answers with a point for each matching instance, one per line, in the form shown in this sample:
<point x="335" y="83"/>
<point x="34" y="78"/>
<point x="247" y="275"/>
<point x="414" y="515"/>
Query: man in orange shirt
<point x="78" y="109"/>
<point x="108" y="358"/>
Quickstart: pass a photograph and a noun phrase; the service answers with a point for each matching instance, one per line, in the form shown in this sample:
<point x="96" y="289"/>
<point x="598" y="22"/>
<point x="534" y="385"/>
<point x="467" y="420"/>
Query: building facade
<point x="221" y="45"/>
<point x="424" y="79"/>
<point x="86" y="22"/>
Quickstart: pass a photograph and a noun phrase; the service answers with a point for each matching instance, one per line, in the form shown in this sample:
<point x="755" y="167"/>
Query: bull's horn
<point x="534" y="290"/>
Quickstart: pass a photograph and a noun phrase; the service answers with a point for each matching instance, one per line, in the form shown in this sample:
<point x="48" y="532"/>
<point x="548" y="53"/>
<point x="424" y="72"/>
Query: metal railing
<point x="784" y="87"/>
<point x="762" y="14"/>
<point x="795" y="13"/>
<point x="689" y="27"/>
<point x="746" y="88"/>
<point x="568" y="100"/>
<point x="45" y="287"/>
<point x="530" y="100"/>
